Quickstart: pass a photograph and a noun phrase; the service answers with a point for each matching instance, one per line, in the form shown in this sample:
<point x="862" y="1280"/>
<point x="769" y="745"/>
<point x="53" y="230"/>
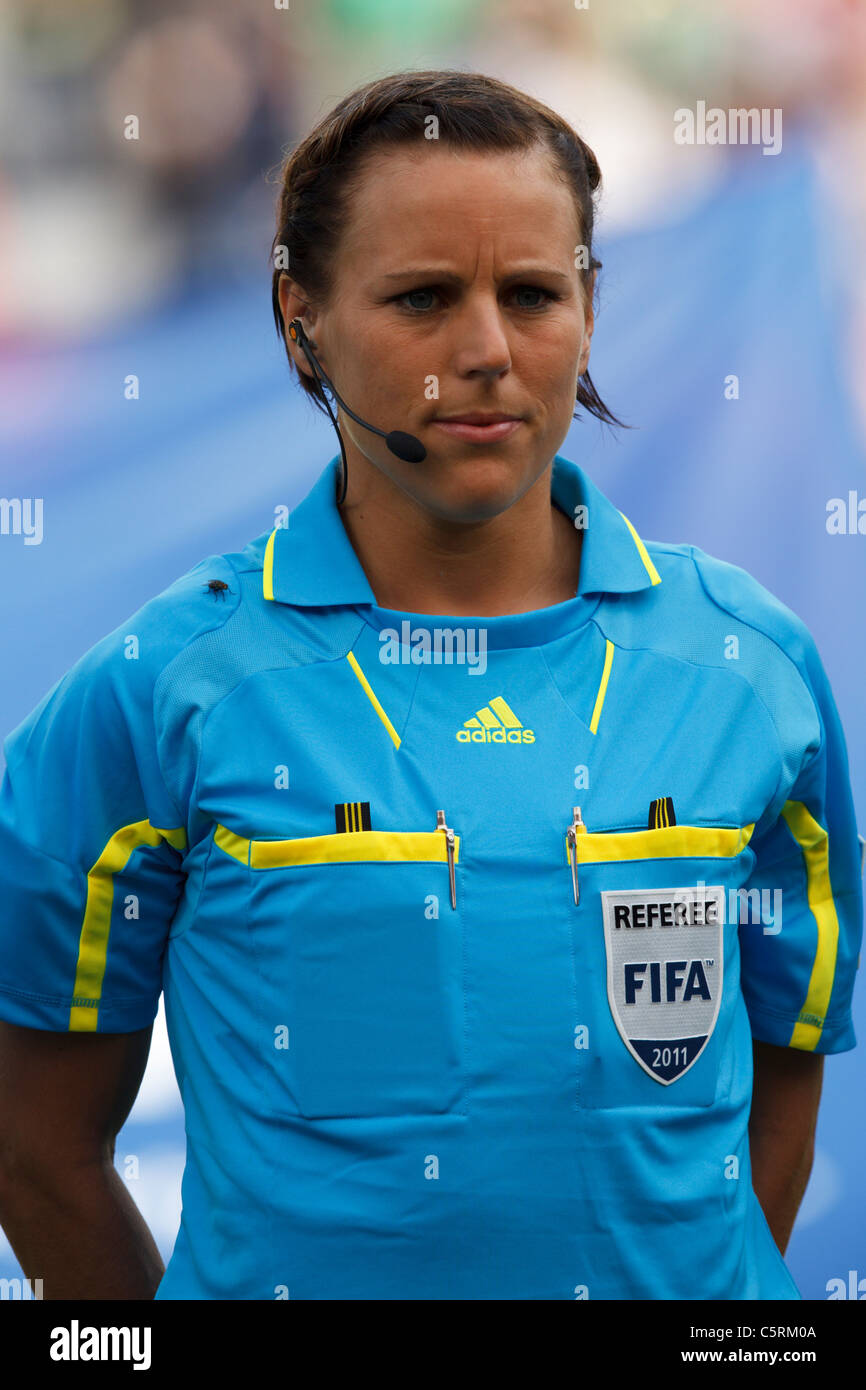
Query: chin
<point x="475" y="491"/>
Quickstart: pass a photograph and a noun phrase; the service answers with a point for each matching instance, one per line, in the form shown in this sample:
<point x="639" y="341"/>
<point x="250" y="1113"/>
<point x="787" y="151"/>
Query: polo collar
<point x="311" y="562"/>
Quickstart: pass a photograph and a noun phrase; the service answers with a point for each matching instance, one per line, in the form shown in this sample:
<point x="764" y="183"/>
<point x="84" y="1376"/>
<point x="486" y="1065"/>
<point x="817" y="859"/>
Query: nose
<point x="482" y="344"/>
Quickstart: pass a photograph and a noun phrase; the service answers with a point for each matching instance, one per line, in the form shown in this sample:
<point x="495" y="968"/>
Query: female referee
<point x="499" y="867"/>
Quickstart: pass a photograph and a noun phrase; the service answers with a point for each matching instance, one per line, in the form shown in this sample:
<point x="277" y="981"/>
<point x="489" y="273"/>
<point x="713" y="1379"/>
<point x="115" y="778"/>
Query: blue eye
<point x="415" y="308"/>
<point x="548" y="296"/>
<point x="532" y="289"/>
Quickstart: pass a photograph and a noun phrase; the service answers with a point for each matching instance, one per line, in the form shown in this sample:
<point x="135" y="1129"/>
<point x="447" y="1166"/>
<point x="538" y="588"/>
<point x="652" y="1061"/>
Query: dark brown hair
<point x="473" y="112"/>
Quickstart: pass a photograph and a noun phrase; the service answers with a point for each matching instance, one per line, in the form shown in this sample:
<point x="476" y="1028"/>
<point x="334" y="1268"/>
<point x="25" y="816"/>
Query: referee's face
<point x="456" y="292"/>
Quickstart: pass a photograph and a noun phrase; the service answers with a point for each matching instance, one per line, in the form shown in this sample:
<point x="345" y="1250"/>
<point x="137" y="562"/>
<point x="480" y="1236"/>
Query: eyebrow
<point x="448" y="277"/>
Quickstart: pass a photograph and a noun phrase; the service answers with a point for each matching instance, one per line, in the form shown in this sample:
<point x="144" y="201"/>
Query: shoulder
<point x="715" y="615"/>
<point x="112" y="683"/>
<point x="198" y="602"/>
<point x="204" y="599"/>
<point x="704" y="585"/>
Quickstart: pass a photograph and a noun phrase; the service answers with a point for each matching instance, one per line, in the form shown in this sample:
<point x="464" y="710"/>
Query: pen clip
<point x="576" y="828"/>
<point x="449" y="843"/>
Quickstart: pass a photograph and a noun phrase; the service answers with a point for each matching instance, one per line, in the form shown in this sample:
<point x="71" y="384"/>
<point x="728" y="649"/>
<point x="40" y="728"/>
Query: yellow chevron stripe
<point x="368" y="689"/>
<point x="602" y="689"/>
<point x="488" y="719"/>
<point x="812" y="839"/>
<point x="93" y="940"/>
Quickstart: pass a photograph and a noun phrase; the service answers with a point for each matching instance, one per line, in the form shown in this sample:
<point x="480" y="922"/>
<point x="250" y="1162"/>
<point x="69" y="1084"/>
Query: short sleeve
<point x="800" y="942"/>
<point x="91" y="851"/>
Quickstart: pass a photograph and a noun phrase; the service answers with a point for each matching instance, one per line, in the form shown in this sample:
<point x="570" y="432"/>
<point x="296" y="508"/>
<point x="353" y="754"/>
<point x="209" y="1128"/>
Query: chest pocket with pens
<point x="657" y="960"/>
<point x="359" y="941"/>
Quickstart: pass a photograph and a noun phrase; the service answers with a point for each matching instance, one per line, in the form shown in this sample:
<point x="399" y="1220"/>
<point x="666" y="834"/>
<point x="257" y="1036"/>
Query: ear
<point x="295" y="305"/>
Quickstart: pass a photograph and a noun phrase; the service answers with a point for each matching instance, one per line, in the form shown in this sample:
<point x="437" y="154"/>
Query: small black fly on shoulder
<point x="218" y="588"/>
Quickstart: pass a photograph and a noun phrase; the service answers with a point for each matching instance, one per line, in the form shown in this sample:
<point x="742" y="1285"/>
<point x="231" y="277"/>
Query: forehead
<point x="429" y="199"/>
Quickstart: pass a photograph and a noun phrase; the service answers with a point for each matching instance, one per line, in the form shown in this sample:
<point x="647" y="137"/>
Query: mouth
<point x="479" y="427"/>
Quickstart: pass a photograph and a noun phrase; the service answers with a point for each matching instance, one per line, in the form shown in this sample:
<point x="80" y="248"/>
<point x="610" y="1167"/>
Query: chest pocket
<point x="662" y="1020"/>
<point x="360" y="955"/>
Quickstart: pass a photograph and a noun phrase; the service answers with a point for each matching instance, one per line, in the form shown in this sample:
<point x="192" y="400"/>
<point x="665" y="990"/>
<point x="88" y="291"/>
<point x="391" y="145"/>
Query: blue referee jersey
<point x="464" y="926"/>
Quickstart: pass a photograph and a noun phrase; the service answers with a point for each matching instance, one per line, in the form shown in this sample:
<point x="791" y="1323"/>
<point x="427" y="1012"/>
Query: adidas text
<point x="495" y="736"/>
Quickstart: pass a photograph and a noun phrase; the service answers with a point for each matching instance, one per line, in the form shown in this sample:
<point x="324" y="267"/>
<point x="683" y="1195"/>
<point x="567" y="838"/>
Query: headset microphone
<point x="404" y="446"/>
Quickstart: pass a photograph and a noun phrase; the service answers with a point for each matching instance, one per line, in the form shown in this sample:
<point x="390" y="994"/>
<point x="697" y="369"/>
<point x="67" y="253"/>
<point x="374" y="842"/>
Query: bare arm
<point x="64" y="1208"/>
<point x="785" y="1097"/>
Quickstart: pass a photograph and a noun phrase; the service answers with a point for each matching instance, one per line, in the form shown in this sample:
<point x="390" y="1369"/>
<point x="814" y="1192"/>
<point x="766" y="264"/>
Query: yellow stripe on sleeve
<point x="813" y="841"/>
<point x="93" y="941"/>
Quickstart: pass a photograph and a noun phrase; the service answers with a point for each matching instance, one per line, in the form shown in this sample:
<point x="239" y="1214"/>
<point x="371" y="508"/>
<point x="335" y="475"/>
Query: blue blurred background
<point x="151" y="257"/>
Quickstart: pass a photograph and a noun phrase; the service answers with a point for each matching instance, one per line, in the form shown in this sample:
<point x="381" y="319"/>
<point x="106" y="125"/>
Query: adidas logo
<point x="496" y="722"/>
